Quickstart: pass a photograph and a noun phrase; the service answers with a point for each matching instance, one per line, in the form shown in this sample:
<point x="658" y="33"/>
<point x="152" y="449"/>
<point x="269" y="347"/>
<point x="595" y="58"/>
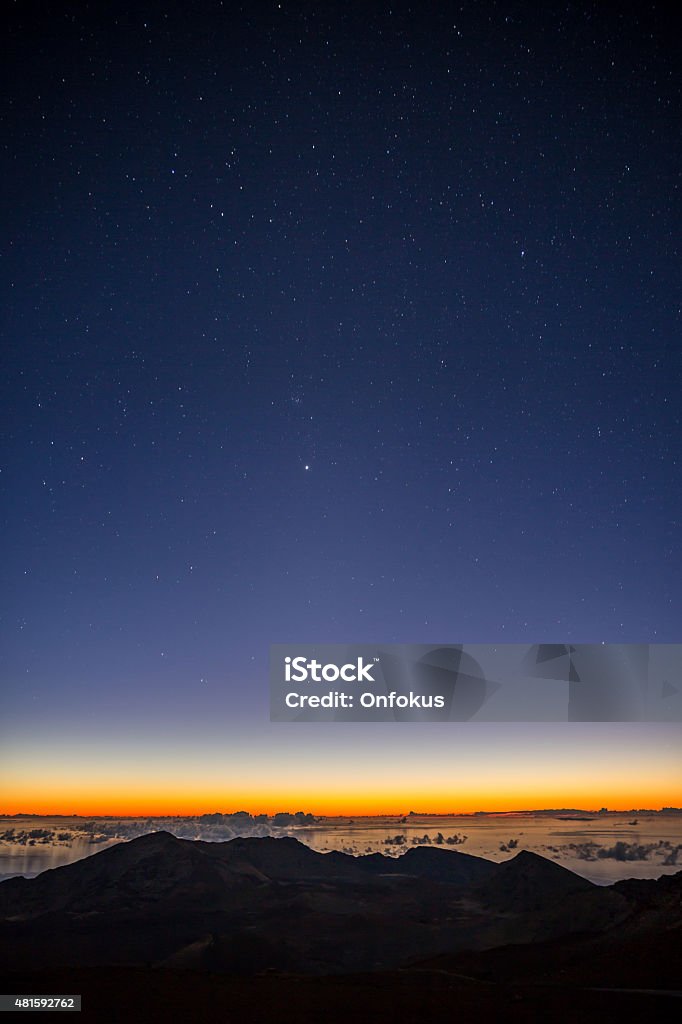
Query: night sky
<point x="338" y="323"/>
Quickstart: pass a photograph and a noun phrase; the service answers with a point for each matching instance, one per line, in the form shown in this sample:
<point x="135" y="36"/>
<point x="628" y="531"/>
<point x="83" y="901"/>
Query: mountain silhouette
<point x="528" y="881"/>
<point x="159" y="867"/>
<point x="255" y="904"/>
<point x="447" y="866"/>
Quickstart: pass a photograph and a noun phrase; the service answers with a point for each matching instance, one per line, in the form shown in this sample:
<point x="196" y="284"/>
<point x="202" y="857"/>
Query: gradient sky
<point x="333" y="323"/>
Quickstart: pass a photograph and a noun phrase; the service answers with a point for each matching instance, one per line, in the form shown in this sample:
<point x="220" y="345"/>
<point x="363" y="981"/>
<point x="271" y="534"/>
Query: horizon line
<point x="378" y="814"/>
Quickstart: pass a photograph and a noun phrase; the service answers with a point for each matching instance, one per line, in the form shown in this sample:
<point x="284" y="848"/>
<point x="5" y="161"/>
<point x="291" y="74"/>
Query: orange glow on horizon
<point x="622" y="767"/>
<point x="348" y="804"/>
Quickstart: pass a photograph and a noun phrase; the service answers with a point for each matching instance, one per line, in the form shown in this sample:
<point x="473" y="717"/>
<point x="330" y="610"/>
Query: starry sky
<point x="331" y="322"/>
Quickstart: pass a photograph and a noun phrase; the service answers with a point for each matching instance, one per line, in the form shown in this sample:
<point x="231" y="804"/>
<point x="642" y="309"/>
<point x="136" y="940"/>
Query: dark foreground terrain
<point x="162" y="929"/>
<point x="134" y="995"/>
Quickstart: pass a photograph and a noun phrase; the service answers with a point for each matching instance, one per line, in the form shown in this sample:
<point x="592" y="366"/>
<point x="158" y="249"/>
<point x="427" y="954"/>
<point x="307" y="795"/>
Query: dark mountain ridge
<point x="159" y="866"/>
<point x="253" y="904"/>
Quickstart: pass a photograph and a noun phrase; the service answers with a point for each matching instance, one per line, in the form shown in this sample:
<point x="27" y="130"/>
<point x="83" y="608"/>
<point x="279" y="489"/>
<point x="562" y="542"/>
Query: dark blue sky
<point x="333" y="322"/>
